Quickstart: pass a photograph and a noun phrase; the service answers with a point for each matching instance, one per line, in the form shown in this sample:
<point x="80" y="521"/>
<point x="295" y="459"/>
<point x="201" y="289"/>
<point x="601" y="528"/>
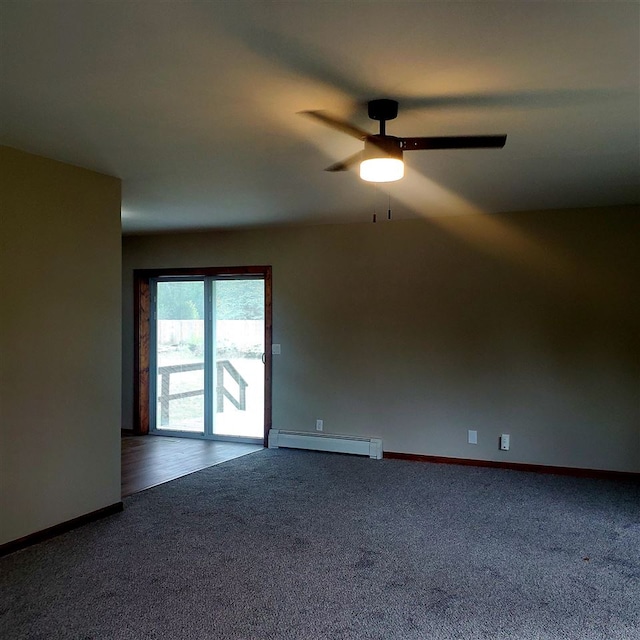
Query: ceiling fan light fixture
<point x="382" y="169"/>
<point x="382" y="160"/>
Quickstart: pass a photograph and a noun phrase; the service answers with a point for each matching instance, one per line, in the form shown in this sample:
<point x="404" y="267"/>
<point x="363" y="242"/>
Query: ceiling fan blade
<point x="345" y="165"/>
<point x="340" y="125"/>
<point x="453" y="142"/>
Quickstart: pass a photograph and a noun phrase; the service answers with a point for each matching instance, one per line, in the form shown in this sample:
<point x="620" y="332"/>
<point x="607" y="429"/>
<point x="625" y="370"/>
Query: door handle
<point x="264" y="358"/>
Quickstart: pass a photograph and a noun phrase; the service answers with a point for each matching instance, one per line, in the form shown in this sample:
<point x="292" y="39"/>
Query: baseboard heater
<point x="371" y="447"/>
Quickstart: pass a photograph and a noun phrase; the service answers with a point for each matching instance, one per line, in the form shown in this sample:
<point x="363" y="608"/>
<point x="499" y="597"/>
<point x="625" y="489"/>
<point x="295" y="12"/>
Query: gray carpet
<point x="290" y="544"/>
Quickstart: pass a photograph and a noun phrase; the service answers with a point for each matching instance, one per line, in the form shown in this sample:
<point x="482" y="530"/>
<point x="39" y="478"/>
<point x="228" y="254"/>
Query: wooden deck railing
<point x="165" y="396"/>
<point x="222" y="392"/>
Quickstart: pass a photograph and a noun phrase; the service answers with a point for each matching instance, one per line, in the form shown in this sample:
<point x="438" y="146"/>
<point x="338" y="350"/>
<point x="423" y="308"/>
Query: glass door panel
<point x="180" y="348"/>
<point x="239" y="371"/>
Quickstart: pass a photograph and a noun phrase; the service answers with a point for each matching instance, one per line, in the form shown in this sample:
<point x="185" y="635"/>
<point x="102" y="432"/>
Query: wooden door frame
<point x="142" y="334"/>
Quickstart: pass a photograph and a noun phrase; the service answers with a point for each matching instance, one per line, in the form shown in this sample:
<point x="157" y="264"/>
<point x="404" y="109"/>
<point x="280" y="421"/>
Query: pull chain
<point x="375" y="215"/>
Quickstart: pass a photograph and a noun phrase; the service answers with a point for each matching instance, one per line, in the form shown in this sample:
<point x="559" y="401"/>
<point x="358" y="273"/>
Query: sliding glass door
<point x="239" y="358"/>
<point x="179" y="350"/>
<point x="208" y="356"/>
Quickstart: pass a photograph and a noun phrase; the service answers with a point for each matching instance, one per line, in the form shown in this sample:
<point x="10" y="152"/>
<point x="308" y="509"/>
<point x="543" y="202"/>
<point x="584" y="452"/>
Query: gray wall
<point x="60" y="336"/>
<point x="416" y="331"/>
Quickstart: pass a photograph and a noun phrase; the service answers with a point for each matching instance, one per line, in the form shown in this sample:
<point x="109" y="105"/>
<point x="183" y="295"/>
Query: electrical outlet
<point x="505" y="442"/>
<point x="319" y="425"/>
<point x="472" y="437"/>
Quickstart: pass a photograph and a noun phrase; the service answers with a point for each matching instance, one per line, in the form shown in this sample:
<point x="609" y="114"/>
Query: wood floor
<point x="151" y="460"/>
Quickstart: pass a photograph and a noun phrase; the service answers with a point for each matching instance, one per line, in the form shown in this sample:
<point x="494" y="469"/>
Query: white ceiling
<point x="194" y="104"/>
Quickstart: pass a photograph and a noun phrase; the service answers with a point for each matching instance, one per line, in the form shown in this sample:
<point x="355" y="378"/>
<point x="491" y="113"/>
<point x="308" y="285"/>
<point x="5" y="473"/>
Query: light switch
<point x="275" y="349"/>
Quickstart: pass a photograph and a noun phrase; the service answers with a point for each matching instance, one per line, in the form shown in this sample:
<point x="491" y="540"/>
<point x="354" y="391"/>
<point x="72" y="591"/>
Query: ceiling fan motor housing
<point x="382" y="146"/>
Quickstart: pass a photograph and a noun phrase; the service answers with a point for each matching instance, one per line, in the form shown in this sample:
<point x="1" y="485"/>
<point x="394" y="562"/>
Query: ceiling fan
<point x="381" y="159"/>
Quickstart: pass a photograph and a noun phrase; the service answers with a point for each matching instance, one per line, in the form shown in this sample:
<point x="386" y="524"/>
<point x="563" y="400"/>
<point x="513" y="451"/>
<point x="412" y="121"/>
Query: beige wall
<point x="60" y="310"/>
<point x="416" y="331"/>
